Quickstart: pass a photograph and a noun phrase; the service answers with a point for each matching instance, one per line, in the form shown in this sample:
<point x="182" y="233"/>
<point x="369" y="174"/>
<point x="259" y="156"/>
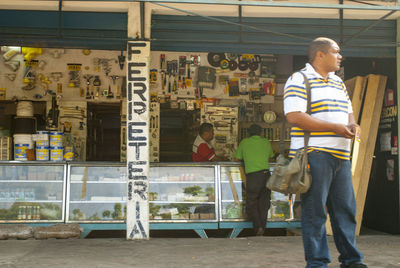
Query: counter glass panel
<point x="182" y="193"/>
<point x="97" y="192"/>
<point x="32" y="191"/>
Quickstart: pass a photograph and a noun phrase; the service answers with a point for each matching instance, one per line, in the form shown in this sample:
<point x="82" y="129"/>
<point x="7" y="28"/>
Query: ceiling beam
<point x="261" y="4"/>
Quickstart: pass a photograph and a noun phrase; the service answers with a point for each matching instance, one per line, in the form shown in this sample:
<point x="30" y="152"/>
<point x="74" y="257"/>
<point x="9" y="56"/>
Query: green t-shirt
<point x="255" y="151"/>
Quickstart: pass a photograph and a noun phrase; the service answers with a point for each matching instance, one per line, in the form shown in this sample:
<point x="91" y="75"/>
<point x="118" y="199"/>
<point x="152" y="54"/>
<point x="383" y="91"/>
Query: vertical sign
<point x="137" y="221"/>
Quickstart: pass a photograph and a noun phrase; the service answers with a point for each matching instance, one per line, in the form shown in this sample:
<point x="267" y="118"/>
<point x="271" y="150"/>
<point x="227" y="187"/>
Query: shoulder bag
<point x="293" y="176"/>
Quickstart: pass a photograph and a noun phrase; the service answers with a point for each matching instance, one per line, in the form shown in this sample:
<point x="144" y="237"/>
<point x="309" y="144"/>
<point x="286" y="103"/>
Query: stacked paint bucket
<point x="25" y="126"/>
<point x="56" y="146"/>
<point x="42" y="145"/>
<point x="22" y="142"/>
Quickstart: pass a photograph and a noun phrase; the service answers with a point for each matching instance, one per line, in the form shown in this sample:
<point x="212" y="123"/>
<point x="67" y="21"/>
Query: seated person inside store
<point x="202" y="150"/>
<point x="256" y="151"/>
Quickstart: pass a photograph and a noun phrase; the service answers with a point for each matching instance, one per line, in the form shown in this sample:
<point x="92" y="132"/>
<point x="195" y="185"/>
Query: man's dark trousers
<point x="257" y="198"/>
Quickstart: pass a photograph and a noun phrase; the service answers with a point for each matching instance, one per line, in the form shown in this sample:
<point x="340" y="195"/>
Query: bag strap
<point x="308" y="89"/>
<point x="306" y="133"/>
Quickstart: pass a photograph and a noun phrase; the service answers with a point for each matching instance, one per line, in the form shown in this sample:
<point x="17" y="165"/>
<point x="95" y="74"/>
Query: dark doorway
<point x="103" y="132"/>
<point x="178" y="131"/>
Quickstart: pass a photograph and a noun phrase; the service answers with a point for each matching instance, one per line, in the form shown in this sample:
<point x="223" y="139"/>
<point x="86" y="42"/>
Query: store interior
<point x="81" y="94"/>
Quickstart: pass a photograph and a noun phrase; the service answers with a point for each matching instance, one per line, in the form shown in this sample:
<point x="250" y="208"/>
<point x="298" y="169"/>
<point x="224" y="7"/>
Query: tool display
<point x="226" y="125"/>
<point x="154" y="132"/>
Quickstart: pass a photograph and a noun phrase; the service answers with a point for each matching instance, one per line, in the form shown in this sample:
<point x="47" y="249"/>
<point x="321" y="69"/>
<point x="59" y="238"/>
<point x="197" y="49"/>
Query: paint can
<point x="42" y="153"/>
<point x="42" y="138"/>
<point x="69" y="153"/>
<point x="56" y="139"/>
<point x="24" y="139"/>
<point x="20" y="152"/>
<point x="56" y="153"/>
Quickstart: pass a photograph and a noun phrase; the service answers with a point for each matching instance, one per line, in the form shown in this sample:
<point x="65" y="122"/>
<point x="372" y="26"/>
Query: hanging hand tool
<point x="188" y="80"/>
<point x="163" y="80"/>
<point x="162" y="62"/>
<point x="180" y="82"/>
<point x="97" y="84"/>
<point x="121" y="60"/>
<point x="110" y="95"/>
<point x="175" y="86"/>
<point x="169" y="84"/>
<point x="88" y="78"/>
<point x="113" y="78"/>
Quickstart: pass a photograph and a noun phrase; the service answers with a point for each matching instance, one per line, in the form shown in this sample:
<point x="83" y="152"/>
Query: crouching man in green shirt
<point x="255" y="152"/>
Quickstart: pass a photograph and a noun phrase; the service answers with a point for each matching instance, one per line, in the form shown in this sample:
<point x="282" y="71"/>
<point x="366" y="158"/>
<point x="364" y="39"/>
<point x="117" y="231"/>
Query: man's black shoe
<point x="355" y="265"/>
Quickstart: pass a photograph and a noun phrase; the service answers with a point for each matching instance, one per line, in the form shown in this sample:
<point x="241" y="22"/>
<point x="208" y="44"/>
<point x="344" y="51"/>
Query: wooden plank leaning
<point x="363" y="150"/>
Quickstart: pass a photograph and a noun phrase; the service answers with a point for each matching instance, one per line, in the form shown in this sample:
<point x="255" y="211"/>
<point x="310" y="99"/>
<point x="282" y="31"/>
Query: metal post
<point x="398" y="95"/>
<point x="60" y="18"/>
<point x="341" y="23"/>
<point x="240" y="27"/>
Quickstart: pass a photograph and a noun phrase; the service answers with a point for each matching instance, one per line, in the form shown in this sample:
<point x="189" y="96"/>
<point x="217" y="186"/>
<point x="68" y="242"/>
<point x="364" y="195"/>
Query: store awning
<point x="271" y="35"/>
<point x="94" y="30"/>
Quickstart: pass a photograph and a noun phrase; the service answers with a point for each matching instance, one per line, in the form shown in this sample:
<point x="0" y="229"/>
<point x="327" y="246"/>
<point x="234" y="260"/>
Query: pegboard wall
<point x="218" y="90"/>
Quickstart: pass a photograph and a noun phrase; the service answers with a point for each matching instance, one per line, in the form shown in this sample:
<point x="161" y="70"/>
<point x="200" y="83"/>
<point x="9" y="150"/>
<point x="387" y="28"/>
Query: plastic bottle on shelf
<point x="19" y="217"/>
<point x="28" y="212"/>
<point x="38" y="212"/>
<point x="23" y="212"/>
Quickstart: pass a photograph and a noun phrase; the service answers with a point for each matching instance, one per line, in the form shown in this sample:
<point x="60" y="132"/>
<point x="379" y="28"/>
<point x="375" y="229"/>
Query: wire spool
<point x="25" y="125"/>
<point x="214" y="59"/>
<point x="25" y="108"/>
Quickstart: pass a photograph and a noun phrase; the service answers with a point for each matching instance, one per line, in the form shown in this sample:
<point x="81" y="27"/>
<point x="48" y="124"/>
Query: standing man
<point x="331" y="126"/>
<point x="202" y="151"/>
<point x="255" y="152"/>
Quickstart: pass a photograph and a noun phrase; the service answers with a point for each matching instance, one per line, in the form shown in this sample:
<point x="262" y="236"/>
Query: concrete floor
<point x="380" y="250"/>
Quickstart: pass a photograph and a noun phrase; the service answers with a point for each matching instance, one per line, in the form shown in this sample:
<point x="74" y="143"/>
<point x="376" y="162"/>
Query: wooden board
<point x="363" y="151"/>
<point x="356" y="89"/>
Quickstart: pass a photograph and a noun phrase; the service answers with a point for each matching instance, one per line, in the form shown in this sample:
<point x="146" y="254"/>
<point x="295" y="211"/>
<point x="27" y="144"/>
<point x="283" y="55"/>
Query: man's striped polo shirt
<point x="329" y="102"/>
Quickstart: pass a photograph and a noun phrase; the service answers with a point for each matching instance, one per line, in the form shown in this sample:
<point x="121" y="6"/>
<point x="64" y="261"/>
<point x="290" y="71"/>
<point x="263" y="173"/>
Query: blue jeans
<point x="331" y="187"/>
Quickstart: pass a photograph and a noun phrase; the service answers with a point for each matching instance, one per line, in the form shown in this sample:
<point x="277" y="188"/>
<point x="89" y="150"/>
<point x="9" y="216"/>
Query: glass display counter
<point x="32" y="192"/>
<point x="196" y="196"/>
<point x="283" y="212"/>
